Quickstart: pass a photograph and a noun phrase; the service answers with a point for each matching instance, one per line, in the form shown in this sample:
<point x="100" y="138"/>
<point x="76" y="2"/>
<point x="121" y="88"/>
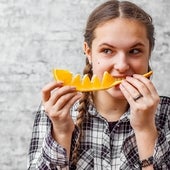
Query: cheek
<point x="99" y="68"/>
<point x="140" y="66"/>
<point x="100" y="62"/>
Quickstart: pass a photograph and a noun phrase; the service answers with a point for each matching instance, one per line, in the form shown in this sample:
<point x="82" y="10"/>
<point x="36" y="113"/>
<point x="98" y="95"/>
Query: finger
<point x="147" y="82"/>
<point x="58" y="93"/>
<point x="46" y="91"/>
<point x="140" y="86"/>
<point x="127" y="95"/>
<point x="69" y="103"/>
<point x="57" y="111"/>
<point x="131" y="89"/>
<point x="63" y="100"/>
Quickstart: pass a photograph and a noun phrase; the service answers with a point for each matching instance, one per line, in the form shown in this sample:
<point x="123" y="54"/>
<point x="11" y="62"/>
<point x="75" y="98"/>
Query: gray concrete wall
<point x="38" y="35"/>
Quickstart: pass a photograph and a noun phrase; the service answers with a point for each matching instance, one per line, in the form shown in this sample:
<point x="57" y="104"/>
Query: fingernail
<point x="128" y="77"/>
<point x="73" y="88"/>
<point x="79" y="93"/>
<point x="124" y="80"/>
<point x="60" y="82"/>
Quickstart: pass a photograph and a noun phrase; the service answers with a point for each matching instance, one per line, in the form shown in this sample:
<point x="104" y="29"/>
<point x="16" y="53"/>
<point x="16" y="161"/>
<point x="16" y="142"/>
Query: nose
<point x="121" y="62"/>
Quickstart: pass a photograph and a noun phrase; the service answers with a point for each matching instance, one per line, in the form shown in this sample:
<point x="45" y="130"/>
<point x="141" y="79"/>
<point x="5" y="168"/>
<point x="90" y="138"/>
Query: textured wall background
<point x="38" y="35"/>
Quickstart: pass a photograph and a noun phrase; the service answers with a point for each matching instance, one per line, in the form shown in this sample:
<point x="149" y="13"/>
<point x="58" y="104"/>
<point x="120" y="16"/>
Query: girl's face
<point x="120" y="47"/>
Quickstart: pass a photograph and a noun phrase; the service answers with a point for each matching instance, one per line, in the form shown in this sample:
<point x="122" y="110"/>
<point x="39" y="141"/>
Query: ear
<point x="87" y="52"/>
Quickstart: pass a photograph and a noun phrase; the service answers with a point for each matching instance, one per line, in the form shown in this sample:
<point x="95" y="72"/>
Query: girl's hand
<point x="57" y="100"/>
<point x="142" y="109"/>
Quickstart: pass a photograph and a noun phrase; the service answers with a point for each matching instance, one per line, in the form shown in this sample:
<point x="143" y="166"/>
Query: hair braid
<point x="82" y="114"/>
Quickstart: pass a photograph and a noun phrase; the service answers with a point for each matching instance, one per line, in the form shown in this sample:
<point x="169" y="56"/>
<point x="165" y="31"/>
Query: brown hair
<point x="114" y="9"/>
<point x="103" y="13"/>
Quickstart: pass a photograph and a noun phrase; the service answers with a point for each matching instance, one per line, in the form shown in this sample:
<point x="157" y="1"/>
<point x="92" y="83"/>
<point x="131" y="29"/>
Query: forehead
<point x="121" y="30"/>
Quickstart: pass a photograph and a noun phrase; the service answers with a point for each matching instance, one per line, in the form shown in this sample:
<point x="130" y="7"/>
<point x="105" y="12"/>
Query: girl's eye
<point x="107" y="51"/>
<point x="134" y="51"/>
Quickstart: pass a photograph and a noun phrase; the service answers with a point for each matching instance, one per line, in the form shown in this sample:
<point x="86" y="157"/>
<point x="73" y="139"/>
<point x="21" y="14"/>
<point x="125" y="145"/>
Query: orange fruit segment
<point x="147" y="75"/>
<point x="95" y="82"/>
<point x="84" y="83"/>
<point x="62" y="75"/>
<point x="76" y="81"/>
<point x="107" y="80"/>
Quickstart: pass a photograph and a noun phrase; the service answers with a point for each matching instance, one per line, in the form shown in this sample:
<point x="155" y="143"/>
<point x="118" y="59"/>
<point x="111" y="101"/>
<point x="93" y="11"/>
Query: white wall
<point x="38" y="35"/>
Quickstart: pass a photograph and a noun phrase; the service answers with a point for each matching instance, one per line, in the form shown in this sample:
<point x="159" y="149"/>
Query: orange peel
<point x="84" y="84"/>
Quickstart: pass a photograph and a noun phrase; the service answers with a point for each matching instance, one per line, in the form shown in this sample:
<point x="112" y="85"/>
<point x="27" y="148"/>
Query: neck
<point x="109" y="107"/>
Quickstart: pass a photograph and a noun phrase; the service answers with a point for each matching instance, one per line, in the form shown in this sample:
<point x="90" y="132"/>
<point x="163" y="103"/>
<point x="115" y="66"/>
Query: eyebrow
<point x="106" y="44"/>
<point x="138" y="44"/>
<point x="135" y="45"/>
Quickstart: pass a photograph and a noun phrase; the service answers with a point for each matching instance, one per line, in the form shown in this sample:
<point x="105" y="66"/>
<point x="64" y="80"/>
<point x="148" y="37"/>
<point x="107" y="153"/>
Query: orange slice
<point x="107" y="80"/>
<point x="147" y="75"/>
<point x="95" y="82"/>
<point x="76" y="81"/>
<point x="62" y="75"/>
<point x="84" y="83"/>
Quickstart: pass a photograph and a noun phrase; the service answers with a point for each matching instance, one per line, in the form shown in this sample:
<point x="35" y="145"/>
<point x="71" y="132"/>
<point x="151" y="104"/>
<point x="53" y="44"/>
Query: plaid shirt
<point x="100" y="148"/>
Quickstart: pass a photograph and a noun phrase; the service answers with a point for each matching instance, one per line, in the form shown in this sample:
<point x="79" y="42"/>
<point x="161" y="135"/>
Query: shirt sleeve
<point x="44" y="151"/>
<point x="161" y="156"/>
<point x="162" y="152"/>
<point x="162" y="147"/>
<point x="129" y="156"/>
